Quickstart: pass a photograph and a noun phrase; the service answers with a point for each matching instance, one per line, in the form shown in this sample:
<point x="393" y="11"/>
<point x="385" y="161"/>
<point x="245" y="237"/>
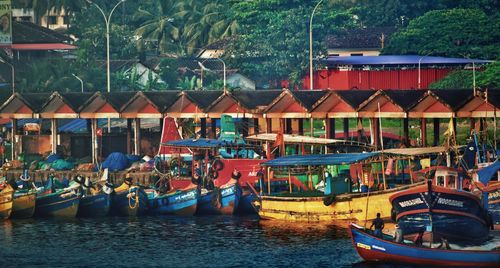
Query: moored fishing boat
<point x="58" y="202"/>
<point x="487" y="182"/>
<point x="24" y="203"/>
<point x="220" y="201"/>
<point x="6" y="199"/>
<point x="96" y="198"/>
<point x="129" y="200"/>
<point x="337" y="202"/>
<point x="375" y="249"/>
<point x="177" y="202"/>
<point x="443" y="208"/>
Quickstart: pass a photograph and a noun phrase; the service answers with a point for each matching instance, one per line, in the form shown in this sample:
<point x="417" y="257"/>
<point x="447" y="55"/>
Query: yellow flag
<point x="425" y="163"/>
<point x="450" y="131"/>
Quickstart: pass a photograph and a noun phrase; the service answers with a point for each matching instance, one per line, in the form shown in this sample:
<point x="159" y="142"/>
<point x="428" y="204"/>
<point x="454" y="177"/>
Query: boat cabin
<point x="448" y="178"/>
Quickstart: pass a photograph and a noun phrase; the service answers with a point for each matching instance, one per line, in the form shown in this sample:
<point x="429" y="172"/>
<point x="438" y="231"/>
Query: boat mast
<point x="382" y="146"/>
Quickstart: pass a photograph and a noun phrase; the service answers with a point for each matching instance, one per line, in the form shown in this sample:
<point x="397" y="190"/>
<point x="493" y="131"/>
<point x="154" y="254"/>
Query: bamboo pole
<point x="269" y="181"/>
<point x="409" y="170"/>
<point x="289" y="180"/>
<point x="382" y="146"/>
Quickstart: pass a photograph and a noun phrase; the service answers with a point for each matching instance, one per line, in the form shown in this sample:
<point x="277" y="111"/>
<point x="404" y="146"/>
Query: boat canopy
<point x="198" y="143"/>
<point x="298" y="139"/>
<point x="419" y="151"/>
<point x="485" y="174"/>
<point x="319" y="159"/>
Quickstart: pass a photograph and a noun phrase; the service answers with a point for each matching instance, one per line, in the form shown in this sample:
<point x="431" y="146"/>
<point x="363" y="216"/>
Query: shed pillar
<point x="244" y="130"/>
<point x="375" y="132"/>
<point x="282" y="125"/>
<point x="53" y="135"/>
<point x="406" y="132"/>
<point x="256" y="128"/>
<point x="472" y="124"/>
<point x="269" y="125"/>
<point x="137" y="136"/>
<point x="203" y="127"/>
<point x="423" y="132"/>
<point x="330" y="128"/>
<point x="346" y="128"/>
<point x="312" y="126"/>
<point x="436" y="131"/>
<point x="129" y="136"/>
<point x="288" y="125"/>
<point x="301" y="126"/>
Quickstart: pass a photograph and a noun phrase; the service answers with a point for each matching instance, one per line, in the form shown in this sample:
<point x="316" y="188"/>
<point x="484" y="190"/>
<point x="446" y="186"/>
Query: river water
<point x="173" y="242"/>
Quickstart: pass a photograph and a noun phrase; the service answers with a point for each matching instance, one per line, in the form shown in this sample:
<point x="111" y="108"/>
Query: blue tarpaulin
<point x="398" y="60"/>
<point x="485" y="174"/>
<point x="319" y="159"/>
<point x="116" y="162"/>
<point x="199" y="143"/>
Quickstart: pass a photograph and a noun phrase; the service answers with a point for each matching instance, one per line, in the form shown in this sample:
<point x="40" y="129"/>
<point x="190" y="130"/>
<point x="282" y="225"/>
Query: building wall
<point x="353" y="52"/>
<point x="56" y="19"/>
<point x="375" y="79"/>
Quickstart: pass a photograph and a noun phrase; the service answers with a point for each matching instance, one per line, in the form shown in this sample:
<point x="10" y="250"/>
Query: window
<point x="22" y="18"/>
<point x="440" y="181"/>
<point x="52" y="20"/>
<point x="66" y="20"/>
<point x="335" y="55"/>
<point x="451" y="182"/>
<point x="356" y="54"/>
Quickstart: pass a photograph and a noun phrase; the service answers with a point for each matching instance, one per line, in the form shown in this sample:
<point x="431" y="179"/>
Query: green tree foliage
<point x="169" y="72"/>
<point x="452" y="33"/>
<point x="273" y="43"/>
<point x="487" y="78"/>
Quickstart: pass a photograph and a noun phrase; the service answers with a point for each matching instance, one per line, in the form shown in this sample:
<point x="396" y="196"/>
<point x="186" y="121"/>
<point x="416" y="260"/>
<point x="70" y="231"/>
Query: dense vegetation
<point x="269" y="39"/>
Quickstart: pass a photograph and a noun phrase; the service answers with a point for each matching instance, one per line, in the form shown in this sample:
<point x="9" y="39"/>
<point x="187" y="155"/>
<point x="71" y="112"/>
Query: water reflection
<point x="287" y="231"/>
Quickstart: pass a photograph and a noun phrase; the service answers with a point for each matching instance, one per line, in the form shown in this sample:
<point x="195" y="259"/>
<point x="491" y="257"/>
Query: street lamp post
<point x="311" y="46"/>
<point x="12" y="72"/>
<point x="79" y="79"/>
<point x="419" y="61"/>
<point x="205" y="68"/>
<point x="107" y="20"/>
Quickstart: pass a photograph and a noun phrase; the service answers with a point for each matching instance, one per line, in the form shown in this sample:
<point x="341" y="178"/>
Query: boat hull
<point x="122" y="205"/>
<point x="459" y="209"/>
<point x="182" y="203"/>
<point x="24" y="205"/>
<point x="229" y="200"/>
<point x="57" y="205"/>
<point x="95" y="205"/>
<point x="313" y="209"/>
<point x="245" y="205"/>
<point x="6" y="202"/>
<point x="494" y="204"/>
<point x="374" y="249"/>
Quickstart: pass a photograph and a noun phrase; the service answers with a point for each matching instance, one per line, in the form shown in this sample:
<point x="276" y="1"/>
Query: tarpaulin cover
<point x="116" y="162"/>
<point x="397" y="60"/>
<point x="319" y="159"/>
<point x="198" y="143"/>
<point x="53" y="157"/>
<point x="61" y="164"/>
<point x="485" y="174"/>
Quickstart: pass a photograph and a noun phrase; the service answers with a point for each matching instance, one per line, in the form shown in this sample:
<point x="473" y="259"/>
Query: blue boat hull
<point x="245" y="205"/>
<point x="94" y="205"/>
<point x="55" y="205"/>
<point x="374" y="249"/>
<point x="462" y="210"/>
<point x="494" y="205"/>
<point x="122" y="205"/>
<point x="181" y="203"/>
<point x="229" y="200"/>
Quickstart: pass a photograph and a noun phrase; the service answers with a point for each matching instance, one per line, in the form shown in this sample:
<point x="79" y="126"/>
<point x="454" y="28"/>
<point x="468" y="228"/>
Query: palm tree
<point x="161" y="24"/>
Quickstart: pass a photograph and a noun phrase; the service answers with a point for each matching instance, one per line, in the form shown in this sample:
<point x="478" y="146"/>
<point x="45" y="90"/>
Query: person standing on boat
<point x="379" y="226"/>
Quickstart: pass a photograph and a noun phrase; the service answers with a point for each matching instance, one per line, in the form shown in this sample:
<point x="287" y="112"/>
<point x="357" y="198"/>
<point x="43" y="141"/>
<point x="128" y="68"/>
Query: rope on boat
<point x="136" y="204"/>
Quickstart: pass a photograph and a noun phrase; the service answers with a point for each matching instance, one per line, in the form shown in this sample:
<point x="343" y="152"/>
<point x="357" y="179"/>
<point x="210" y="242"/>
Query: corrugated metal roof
<point x="399" y="60"/>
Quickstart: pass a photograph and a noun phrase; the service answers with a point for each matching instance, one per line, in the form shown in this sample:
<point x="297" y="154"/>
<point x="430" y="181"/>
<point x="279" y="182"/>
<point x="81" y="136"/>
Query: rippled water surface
<point x="173" y="242"/>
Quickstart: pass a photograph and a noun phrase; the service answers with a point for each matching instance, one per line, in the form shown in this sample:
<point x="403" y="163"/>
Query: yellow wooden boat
<point x="6" y="195"/>
<point x="24" y="204"/>
<point x="351" y="206"/>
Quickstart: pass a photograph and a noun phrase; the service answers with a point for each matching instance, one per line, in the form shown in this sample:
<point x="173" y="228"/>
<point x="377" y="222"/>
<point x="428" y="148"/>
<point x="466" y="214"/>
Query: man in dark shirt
<point x="379" y="225"/>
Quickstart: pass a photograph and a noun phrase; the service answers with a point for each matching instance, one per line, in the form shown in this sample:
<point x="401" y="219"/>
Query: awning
<point x="297" y="139"/>
<point x="319" y="159"/>
<point x="50" y="46"/>
<point x="198" y="143"/>
<point x="420" y="151"/>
